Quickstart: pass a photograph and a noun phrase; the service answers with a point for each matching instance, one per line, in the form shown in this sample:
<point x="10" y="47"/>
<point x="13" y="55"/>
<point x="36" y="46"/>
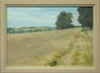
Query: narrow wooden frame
<point x="3" y="16"/>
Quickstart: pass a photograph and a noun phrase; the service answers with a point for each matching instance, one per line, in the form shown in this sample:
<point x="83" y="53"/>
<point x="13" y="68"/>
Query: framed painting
<point x="39" y="36"/>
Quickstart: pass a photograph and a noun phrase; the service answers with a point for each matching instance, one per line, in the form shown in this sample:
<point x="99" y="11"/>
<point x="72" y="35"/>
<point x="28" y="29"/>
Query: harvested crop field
<point x="68" y="47"/>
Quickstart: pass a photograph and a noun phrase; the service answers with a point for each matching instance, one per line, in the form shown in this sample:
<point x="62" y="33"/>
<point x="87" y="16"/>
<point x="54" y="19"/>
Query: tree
<point x="86" y="17"/>
<point x="64" y="20"/>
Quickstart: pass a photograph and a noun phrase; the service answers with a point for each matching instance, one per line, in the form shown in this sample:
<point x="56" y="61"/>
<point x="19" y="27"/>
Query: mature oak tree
<point x="64" y="20"/>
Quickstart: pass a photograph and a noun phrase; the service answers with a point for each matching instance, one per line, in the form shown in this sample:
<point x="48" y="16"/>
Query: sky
<point x="37" y="16"/>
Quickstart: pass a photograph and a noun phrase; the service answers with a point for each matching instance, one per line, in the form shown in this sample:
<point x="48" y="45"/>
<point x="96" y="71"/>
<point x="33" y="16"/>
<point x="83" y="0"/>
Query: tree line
<point x="64" y="19"/>
<point x="29" y="29"/>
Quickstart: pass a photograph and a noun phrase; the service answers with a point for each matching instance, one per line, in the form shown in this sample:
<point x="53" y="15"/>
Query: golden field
<point x="68" y="47"/>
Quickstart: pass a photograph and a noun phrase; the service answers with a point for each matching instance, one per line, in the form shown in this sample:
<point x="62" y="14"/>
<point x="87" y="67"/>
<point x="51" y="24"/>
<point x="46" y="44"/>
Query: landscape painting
<point x="50" y="36"/>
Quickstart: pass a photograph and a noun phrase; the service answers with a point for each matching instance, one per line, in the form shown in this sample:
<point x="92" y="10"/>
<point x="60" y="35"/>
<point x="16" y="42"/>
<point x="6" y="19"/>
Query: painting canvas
<point x="50" y="36"/>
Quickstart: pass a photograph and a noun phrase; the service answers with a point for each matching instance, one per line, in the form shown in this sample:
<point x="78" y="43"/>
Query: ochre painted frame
<point x="3" y="57"/>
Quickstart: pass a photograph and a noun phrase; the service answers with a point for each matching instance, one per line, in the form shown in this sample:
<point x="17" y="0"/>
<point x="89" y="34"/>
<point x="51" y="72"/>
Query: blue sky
<point x="37" y="16"/>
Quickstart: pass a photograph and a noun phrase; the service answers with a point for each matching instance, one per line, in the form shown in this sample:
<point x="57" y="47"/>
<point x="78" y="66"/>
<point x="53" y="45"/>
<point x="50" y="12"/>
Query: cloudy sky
<point x="37" y="16"/>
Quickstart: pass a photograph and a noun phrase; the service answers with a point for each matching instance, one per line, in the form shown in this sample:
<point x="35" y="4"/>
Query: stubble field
<point x="68" y="47"/>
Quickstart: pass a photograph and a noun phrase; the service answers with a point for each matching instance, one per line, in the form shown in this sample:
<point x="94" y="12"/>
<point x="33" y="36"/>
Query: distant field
<point x="29" y="29"/>
<point x="68" y="47"/>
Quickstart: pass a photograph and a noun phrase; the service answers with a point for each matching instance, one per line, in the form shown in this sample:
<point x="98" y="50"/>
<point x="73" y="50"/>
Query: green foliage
<point x="86" y="17"/>
<point x="29" y="29"/>
<point x="83" y="55"/>
<point x="64" y="20"/>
